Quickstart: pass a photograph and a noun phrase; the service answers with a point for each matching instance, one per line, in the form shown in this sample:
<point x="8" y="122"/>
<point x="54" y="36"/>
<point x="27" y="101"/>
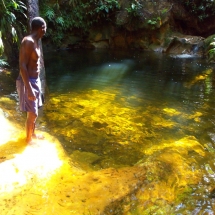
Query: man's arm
<point x="26" y="50"/>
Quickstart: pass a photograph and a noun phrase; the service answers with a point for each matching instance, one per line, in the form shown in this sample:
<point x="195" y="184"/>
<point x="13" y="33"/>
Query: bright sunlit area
<point x="41" y="178"/>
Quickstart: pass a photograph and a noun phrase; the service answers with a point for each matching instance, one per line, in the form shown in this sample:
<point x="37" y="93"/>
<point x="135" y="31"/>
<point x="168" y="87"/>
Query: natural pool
<point x="116" y="109"/>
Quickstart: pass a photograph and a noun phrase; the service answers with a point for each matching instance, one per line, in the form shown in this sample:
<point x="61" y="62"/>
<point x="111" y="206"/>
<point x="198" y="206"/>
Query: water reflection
<point x="125" y="110"/>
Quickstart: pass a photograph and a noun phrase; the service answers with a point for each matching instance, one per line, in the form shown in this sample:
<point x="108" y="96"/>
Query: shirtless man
<point x="28" y="83"/>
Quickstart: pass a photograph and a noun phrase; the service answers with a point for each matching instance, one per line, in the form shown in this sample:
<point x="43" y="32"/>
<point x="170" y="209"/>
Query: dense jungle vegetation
<point x="65" y="16"/>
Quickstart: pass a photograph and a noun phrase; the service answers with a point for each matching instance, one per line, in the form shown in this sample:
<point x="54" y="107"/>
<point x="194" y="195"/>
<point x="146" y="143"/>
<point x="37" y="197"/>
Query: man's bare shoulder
<point x="27" y="45"/>
<point x="28" y="40"/>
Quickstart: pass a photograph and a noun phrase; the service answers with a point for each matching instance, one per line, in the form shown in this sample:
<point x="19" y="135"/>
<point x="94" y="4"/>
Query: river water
<point x="113" y="109"/>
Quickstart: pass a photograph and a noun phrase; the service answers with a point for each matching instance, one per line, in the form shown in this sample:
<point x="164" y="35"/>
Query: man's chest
<point x="35" y="54"/>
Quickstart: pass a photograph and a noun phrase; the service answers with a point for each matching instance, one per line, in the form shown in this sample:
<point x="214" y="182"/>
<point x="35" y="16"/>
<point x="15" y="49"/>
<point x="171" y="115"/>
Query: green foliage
<point x="105" y="6"/>
<point x="136" y="12"/>
<point x="14" y="34"/>
<point x="211" y="51"/>
<point x="153" y="22"/>
<point x="54" y="20"/>
<point x="200" y="8"/>
<point x="9" y="12"/>
<point x="3" y="63"/>
<point x="49" y="13"/>
<point x="134" y="8"/>
<point x="75" y="14"/>
<point x="60" y="21"/>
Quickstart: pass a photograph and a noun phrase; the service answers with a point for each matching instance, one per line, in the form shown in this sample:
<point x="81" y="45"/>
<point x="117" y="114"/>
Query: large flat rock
<point x="41" y="179"/>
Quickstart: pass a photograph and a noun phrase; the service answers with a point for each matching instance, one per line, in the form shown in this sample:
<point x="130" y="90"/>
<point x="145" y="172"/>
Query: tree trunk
<point x="33" y="11"/>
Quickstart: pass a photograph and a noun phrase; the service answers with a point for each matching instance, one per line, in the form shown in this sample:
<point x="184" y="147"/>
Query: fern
<point x="22" y="8"/>
<point x="60" y="21"/>
<point x="49" y="13"/>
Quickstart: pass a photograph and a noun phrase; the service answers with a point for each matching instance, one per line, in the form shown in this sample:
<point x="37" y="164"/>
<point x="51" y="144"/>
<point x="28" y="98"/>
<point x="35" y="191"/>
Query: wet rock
<point x="99" y="125"/>
<point x="85" y="160"/>
<point x="185" y="44"/>
<point x="60" y="186"/>
<point x="212" y="193"/>
<point x="101" y="44"/>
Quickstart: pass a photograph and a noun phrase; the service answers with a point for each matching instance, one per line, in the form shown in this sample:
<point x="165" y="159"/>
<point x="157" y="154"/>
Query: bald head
<point x="37" y="22"/>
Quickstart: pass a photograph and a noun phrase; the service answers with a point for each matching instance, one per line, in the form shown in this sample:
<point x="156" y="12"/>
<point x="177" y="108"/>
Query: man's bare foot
<point x="33" y="143"/>
<point x="38" y="136"/>
<point x="30" y="141"/>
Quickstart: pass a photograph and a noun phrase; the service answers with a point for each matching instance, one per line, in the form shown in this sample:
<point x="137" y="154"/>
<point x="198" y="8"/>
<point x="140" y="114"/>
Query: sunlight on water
<point x="138" y="133"/>
<point x="115" y="136"/>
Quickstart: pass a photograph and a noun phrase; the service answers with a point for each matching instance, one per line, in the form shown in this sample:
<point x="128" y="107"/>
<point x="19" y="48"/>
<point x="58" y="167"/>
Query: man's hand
<point x="31" y="96"/>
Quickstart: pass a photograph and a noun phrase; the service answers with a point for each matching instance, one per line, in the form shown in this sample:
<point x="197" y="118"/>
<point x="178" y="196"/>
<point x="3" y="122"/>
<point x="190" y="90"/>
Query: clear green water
<point x="112" y="109"/>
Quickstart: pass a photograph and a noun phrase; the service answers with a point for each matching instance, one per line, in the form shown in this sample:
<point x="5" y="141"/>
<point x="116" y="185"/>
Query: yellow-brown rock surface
<point x="41" y="179"/>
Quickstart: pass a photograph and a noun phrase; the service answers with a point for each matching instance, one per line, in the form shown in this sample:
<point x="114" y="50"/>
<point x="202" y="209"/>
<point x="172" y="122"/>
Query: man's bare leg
<point x="30" y="125"/>
<point x="37" y="136"/>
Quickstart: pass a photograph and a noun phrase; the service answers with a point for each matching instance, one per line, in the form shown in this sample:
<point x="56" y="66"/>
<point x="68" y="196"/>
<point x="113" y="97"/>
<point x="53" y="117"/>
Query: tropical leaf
<point x="60" y="21"/>
<point x="3" y="3"/>
<point x="3" y="63"/>
<point x="14" y="4"/>
<point x="1" y="45"/>
<point x="22" y="5"/>
<point x="49" y="13"/>
<point x="211" y="51"/>
<point x="14" y="33"/>
<point x="212" y="44"/>
<point x="11" y="17"/>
